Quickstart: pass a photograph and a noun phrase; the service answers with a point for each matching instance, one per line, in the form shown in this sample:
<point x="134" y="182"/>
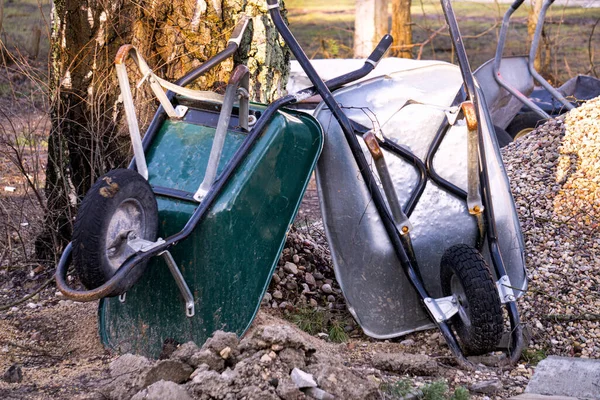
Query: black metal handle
<point x="382" y="48"/>
<point x="231" y="48"/>
<point x="516" y="4"/>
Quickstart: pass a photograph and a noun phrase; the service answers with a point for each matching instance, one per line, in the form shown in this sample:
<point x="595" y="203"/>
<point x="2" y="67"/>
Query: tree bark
<point x="370" y="24"/>
<point x="401" y="29"/>
<point x="89" y="134"/>
<point x="1" y="14"/>
<point x="542" y="57"/>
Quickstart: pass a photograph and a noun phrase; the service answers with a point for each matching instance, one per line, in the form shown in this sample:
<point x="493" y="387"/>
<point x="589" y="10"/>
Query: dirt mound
<point x="273" y="361"/>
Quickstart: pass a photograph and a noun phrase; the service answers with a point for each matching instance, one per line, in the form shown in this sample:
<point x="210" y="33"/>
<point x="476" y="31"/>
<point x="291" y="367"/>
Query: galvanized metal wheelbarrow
<point x="224" y="216"/>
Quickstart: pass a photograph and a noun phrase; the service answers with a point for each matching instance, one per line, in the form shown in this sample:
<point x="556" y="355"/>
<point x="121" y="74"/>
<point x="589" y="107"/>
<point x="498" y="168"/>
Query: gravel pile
<point x="305" y="277"/>
<point x="555" y="176"/>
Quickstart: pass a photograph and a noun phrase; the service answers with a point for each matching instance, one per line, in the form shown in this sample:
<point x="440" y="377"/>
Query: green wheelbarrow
<point x="185" y="241"/>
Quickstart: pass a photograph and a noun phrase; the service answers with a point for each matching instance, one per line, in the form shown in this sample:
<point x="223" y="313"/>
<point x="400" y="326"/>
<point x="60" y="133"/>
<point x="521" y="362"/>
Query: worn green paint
<point x="230" y="257"/>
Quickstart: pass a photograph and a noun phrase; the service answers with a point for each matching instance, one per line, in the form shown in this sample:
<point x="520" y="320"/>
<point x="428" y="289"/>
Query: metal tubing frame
<point x="407" y="156"/>
<point x="498" y="60"/>
<point x="533" y="52"/>
<point x="491" y="231"/>
<point x="240" y="78"/>
<point x="394" y="235"/>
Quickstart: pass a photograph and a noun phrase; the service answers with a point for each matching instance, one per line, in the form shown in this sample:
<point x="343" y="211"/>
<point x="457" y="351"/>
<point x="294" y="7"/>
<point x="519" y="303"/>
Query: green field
<point x="326" y="30"/>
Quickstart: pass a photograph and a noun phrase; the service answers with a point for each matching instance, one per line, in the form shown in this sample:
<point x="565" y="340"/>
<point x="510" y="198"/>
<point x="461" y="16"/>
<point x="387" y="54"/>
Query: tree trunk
<point x="370" y="24"/>
<point x="401" y="29"/>
<point x="1" y="14"/>
<point x="541" y="64"/>
<point x="89" y="134"/>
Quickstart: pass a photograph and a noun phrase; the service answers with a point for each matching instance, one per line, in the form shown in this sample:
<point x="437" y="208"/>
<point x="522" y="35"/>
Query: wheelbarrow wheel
<point x="120" y="205"/>
<point x="523" y="124"/>
<point x="466" y="276"/>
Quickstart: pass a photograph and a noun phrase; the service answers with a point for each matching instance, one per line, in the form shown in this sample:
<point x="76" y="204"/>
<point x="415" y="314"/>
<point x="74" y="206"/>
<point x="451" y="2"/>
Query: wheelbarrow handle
<point x="381" y="48"/>
<point x="108" y="289"/>
<point x="516" y="4"/>
<point x="232" y="46"/>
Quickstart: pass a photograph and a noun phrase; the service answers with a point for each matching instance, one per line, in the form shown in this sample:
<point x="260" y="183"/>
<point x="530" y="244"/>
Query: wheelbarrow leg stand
<point x="144" y="245"/>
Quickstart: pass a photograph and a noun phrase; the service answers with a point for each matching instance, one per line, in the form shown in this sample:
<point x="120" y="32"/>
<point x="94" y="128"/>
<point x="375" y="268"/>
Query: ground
<point x="55" y="341"/>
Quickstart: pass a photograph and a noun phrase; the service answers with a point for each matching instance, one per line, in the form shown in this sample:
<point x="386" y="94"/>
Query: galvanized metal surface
<point x="503" y="106"/>
<point x="228" y="260"/>
<point x="376" y="289"/>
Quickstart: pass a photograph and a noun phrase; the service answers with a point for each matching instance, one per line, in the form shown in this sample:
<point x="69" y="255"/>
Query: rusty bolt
<point x="372" y="145"/>
<point x="468" y="110"/>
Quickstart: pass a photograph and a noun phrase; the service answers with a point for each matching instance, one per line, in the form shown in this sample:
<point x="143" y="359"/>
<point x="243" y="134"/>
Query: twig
<point x="573" y="317"/>
<point x="591" y="50"/>
<point x="30" y="348"/>
<point x="30" y="295"/>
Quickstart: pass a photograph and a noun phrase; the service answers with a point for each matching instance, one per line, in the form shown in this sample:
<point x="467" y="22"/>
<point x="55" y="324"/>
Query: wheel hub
<point x="458" y="291"/>
<point x="128" y="221"/>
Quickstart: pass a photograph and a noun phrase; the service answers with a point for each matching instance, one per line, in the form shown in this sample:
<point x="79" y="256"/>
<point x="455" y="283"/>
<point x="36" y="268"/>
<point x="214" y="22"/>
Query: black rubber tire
<point x="479" y="323"/>
<point x="117" y="189"/>
<point x="504" y="139"/>
<point x="527" y="120"/>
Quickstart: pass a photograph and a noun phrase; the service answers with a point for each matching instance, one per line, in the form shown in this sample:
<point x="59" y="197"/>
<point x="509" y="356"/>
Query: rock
<point x="225" y="353"/>
<point x="219" y="340"/>
<point x="291" y="285"/>
<point x="310" y="279"/>
<point x="287" y="390"/>
<point x="326" y="288"/>
<point x="402" y="363"/>
<point x="230" y="375"/>
<point x="267" y="298"/>
<point x="209" y="358"/>
<point x="163" y="390"/>
<point x="313" y="303"/>
<point x="318" y="276"/>
<point x="283" y="335"/>
<point x="407" y="342"/>
<point x="265" y="359"/>
<point x="343" y="383"/>
<point x="168" y="370"/>
<point x="331" y="298"/>
<point x="567" y="377"/>
<point x="302" y="379"/>
<point x="13" y="374"/>
<point x="277" y="295"/>
<point x="184" y="352"/>
<point x="491" y="360"/>
<point x="201" y="368"/>
<point x="293" y="358"/>
<point x="255" y="392"/>
<point x="208" y="384"/>
<point x="291" y="268"/>
<point x="127" y="377"/>
<point x="486" y="387"/>
<point x="318" y="394"/>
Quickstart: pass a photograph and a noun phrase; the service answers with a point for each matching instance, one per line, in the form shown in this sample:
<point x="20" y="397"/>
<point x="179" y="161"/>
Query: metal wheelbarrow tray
<point x="229" y="258"/>
<point x="431" y="190"/>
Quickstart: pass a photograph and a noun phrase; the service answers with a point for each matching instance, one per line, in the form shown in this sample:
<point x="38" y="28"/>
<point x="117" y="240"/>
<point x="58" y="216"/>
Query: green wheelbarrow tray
<point x="230" y="256"/>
